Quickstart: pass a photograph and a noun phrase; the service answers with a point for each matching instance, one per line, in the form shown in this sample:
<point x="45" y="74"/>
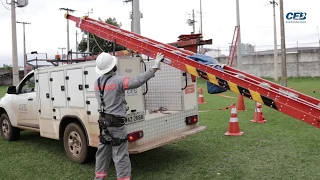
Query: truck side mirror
<point x="12" y="90"/>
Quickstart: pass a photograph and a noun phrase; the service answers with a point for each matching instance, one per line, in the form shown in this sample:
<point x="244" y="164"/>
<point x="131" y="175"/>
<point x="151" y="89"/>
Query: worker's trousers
<point x="119" y="154"/>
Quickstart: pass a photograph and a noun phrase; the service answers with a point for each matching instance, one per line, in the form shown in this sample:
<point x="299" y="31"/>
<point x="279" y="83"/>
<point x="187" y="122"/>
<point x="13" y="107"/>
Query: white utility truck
<point x="59" y="102"/>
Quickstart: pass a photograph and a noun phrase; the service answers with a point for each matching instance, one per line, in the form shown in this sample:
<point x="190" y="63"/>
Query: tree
<point x="105" y="46"/>
<point x="6" y="67"/>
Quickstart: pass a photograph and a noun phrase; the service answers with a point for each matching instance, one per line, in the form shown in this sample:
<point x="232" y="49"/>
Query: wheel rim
<point x="5" y="127"/>
<point x="74" y="143"/>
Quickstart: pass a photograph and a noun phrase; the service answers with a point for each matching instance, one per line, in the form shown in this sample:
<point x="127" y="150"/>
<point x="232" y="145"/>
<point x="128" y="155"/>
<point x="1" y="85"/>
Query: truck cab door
<point x="25" y="102"/>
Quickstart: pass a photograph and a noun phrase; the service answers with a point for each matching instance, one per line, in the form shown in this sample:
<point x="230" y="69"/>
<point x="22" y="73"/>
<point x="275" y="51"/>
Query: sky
<point x="162" y="21"/>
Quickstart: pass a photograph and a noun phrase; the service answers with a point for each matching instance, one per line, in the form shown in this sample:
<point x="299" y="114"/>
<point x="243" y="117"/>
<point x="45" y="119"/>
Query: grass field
<point x="283" y="148"/>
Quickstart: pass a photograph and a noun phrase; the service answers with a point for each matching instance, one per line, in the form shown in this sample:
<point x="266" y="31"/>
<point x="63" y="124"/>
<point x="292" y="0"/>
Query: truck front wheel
<point x="75" y="143"/>
<point x="8" y="132"/>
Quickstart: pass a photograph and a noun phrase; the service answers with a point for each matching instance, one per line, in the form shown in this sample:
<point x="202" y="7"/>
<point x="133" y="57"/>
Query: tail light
<point x="191" y="120"/>
<point x="135" y="136"/>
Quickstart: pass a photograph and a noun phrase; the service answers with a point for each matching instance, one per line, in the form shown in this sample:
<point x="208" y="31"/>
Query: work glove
<point x="157" y="61"/>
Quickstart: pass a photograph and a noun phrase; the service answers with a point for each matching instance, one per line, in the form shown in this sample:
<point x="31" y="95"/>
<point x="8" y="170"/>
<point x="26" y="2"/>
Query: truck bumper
<point x="167" y="140"/>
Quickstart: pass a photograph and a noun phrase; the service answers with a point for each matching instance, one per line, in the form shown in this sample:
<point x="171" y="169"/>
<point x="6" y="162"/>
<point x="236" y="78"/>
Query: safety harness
<point x="108" y="120"/>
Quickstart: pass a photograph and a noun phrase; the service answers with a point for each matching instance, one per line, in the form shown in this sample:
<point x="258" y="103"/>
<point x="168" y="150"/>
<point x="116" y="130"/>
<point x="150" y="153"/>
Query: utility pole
<point x="283" y="48"/>
<point x="15" y="68"/>
<point x="239" y="36"/>
<point x="201" y="28"/>
<point x="194" y="27"/>
<point x="135" y="16"/>
<point x="192" y="22"/>
<point x="24" y="47"/>
<point x="68" y="41"/>
<point x="61" y="52"/>
<point x="88" y="34"/>
<point x="275" y="53"/>
<point x="77" y="43"/>
<point x="318" y="36"/>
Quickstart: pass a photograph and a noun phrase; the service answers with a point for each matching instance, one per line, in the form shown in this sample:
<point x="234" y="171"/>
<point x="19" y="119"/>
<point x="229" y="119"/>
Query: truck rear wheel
<point x="8" y="132"/>
<point x="75" y="143"/>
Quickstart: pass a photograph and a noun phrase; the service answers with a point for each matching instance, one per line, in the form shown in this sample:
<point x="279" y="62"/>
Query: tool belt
<point x="105" y="121"/>
<point x="112" y="121"/>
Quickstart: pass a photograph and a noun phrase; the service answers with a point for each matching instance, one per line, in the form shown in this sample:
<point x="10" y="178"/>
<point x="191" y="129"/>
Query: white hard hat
<point x="105" y="63"/>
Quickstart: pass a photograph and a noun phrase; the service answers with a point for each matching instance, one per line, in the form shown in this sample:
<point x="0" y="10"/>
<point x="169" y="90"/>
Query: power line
<point x="4" y="5"/>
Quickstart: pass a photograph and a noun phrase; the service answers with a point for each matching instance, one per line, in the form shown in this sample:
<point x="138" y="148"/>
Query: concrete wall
<point x="6" y="77"/>
<point x="304" y="63"/>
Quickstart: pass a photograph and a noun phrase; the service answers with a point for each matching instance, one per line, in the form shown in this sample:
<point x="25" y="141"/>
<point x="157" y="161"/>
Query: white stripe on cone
<point x="233" y="119"/>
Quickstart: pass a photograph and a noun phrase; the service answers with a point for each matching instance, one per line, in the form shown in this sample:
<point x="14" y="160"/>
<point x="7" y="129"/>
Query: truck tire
<point x="8" y="132"/>
<point x="75" y="143"/>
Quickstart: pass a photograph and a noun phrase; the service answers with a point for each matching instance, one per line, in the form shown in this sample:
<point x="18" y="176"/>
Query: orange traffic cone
<point x="258" y="116"/>
<point x="234" y="128"/>
<point x="241" y="106"/>
<point x="201" y="98"/>
<point x="262" y="113"/>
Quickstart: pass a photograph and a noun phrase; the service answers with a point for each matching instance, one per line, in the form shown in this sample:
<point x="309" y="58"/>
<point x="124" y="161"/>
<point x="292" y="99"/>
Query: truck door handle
<point x="30" y="99"/>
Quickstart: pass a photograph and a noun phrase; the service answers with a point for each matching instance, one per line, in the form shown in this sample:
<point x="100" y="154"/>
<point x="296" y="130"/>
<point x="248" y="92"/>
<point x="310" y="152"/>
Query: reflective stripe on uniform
<point x="100" y="175"/>
<point x="125" y="178"/>
<point x="108" y="87"/>
<point x="126" y="83"/>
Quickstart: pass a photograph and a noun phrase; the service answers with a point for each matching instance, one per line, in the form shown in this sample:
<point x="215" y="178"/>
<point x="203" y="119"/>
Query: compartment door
<point x="90" y="78"/>
<point x="44" y="97"/>
<point x="92" y="108"/>
<point x="58" y="89"/>
<point x="75" y="87"/>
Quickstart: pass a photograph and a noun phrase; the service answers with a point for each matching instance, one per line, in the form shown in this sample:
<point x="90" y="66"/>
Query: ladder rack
<point x="283" y="99"/>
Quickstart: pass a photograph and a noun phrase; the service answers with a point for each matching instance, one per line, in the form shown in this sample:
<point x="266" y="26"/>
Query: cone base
<point x="201" y="102"/>
<point x="263" y="121"/>
<point x="233" y="134"/>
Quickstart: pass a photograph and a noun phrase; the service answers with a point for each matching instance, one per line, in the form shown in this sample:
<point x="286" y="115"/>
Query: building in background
<point x="245" y="48"/>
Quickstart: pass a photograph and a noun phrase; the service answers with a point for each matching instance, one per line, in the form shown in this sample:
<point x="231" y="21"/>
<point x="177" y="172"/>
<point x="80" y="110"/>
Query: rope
<point x="161" y="109"/>
<point x="94" y="37"/>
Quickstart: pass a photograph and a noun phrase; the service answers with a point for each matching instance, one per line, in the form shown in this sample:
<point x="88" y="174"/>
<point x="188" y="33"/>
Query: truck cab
<point x="18" y="108"/>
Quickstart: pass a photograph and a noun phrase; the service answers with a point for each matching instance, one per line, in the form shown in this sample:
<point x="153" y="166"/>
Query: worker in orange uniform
<point x="110" y="93"/>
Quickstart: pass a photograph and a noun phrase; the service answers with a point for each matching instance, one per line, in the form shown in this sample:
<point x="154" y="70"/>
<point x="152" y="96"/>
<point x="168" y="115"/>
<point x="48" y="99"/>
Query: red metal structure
<point x="234" y="44"/>
<point x="283" y="99"/>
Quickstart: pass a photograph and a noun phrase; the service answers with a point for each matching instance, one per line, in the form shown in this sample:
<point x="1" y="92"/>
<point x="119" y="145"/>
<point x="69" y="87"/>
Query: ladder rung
<point x="143" y="39"/>
<point x="289" y="94"/>
<point x="241" y="76"/>
<point x="167" y="61"/>
<point x="266" y="85"/>
<point x="130" y="35"/>
<point x="176" y="52"/>
<point x="159" y="45"/>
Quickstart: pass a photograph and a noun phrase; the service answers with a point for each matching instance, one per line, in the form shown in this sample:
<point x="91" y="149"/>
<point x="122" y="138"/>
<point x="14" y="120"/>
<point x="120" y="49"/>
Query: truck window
<point x="27" y="85"/>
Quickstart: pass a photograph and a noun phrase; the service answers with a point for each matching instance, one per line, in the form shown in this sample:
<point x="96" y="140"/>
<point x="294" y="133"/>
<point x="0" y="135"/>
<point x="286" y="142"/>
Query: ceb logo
<point x="296" y="16"/>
